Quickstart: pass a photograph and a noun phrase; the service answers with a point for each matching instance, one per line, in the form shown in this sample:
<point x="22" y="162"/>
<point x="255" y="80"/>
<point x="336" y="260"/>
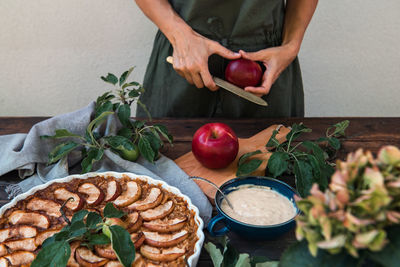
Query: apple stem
<point x="63" y="213"/>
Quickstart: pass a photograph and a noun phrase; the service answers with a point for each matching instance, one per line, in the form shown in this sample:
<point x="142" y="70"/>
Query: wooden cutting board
<point x="193" y="168"/>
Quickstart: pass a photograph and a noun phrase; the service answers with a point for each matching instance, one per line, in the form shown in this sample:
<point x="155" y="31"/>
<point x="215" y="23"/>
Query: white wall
<point x="52" y="53"/>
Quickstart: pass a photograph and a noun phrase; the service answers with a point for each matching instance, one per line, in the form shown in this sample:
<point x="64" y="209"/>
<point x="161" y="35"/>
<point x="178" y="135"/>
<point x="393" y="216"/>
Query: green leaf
<point x="125" y="132"/>
<point x="326" y="173"/>
<point x="304" y="177"/>
<point x="48" y="241"/>
<point x="273" y="142"/>
<point x="93" y="219"/>
<point x="96" y="123"/>
<point x="258" y="259"/>
<point x="107" y="106"/>
<point x="164" y="132"/>
<point x="124" y="113"/>
<point x="248" y="167"/>
<point x="268" y="264"/>
<point x="111" y="78"/>
<point x="124" y="76"/>
<point x="315" y="166"/>
<point x="215" y="254"/>
<point x="122" y="245"/>
<point x="119" y="142"/>
<point x="138" y="124"/>
<point x="390" y="255"/>
<point x="298" y="255"/>
<point x="55" y="254"/>
<point x="110" y="211"/>
<point x="338" y="129"/>
<point x="143" y="106"/>
<point x="231" y="255"/>
<point x="98" y="239"/>
<point x="79" y="216"/>
<point x="61" y="133"/>
<point x="145" y="148"/>
<point x="317" y="151"/>
<point x="130" y="84"/>
<point x="63" y="235"/>
<point x="155" y="142"/>
<point x="93" y="155"/>
<point x="322" y="139"/>
<point x="134" y="93"/>
<point x="243" y="260"/>
<point x="278" y="163"/>
<point x="245" y="156"/>
<point x="61" y="150"/>
<point x="76" y="229"/>
<point x="103" y="98"/>
<point x="262" y="261"/>
<point x="297" y="130"/>
<point x="334" y="142"/>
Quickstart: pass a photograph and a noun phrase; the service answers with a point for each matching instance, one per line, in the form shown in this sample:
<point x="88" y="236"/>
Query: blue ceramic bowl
<point x="249" y="231"/>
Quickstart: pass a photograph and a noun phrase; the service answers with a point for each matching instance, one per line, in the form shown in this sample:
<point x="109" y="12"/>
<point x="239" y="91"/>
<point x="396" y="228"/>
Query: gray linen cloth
<point x="28" y="154"/>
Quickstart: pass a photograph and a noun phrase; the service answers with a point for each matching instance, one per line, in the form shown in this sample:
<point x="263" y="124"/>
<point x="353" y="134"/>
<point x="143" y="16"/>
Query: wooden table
<point x="367" y="133"/>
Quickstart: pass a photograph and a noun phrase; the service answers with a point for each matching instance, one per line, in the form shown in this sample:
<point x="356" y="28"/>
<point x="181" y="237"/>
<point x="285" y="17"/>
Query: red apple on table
<point x="243" y="72"/>
<point x="215" y="145"/>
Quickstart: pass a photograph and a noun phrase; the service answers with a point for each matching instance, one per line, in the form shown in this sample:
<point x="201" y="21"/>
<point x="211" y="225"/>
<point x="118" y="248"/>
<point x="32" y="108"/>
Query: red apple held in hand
<point x="215" y="145"/>
<point x="243" y="72"/>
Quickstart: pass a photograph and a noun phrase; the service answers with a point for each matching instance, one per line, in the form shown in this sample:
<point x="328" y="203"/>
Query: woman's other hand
<point x="191" y="52"/>
<point x="276" y="60"/>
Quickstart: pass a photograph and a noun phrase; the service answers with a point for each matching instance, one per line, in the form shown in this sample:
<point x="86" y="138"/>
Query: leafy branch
<point x="232" y="258"/>
<point x="90" y="229"/>
<point x="133" y="137"/>
<point x="309" y="161"/>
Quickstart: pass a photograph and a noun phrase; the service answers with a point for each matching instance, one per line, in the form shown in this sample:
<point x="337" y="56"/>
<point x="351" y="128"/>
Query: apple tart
<point x="163" y="224"/>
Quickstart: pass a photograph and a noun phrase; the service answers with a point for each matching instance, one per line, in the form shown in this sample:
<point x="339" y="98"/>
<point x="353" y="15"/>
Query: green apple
<point x="131" y="155"/>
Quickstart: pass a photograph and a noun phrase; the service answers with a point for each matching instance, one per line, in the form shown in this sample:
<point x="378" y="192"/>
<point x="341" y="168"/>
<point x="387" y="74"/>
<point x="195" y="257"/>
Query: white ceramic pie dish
<point x="192" y="260"/>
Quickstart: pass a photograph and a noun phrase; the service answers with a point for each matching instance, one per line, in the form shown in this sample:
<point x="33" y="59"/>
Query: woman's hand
<point x="191" y="52"/>
<point x="276" y="60"/>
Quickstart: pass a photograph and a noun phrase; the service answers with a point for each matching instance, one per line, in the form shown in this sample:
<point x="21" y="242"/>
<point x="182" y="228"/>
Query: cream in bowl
<point x="263" y="208"/>
<point x="258" y="205"/>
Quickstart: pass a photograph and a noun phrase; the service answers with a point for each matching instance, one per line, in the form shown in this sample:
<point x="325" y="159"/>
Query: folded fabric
<point x="28" y="154"/>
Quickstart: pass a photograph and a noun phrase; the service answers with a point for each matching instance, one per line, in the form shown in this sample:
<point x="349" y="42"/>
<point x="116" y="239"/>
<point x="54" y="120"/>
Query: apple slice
<point x="86" y="258"/>
<point x="157" y="254"/>
<point x="134" y="221"/>
<point x="105" y="251"/>
<point x="165" y="240"/>
<point x="166" y="226"/>
<point x="113" y="264"/>
<point x="27" y="244"/>
<point x="138" y="262"/>
<point x="3" y="250"/>
<point x="113" y="191"/>
<point x="41" y="237"/>
<point x="94" y="194"/>
<point x="159" y="212"/>
<point x="71" y="261"/>
<point x="131" y="194"/>
<point x="22" y="231"/>
<point x="138" y="239"/>
<point x="52" y="208"/>
<point x="63" y="194"/>
<point x="30" y="218"/>
<point x="4" y="262"/>
<point x="20" y="258"/>
<point x="152" y="200"/>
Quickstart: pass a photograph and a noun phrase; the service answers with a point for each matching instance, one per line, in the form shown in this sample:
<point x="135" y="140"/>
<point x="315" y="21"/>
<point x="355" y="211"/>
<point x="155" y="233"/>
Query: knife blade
<point x="233" y="89"/>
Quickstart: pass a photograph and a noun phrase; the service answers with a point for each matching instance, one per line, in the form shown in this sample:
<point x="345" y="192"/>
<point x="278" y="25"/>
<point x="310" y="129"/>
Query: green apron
<point x="250" y="25"/>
